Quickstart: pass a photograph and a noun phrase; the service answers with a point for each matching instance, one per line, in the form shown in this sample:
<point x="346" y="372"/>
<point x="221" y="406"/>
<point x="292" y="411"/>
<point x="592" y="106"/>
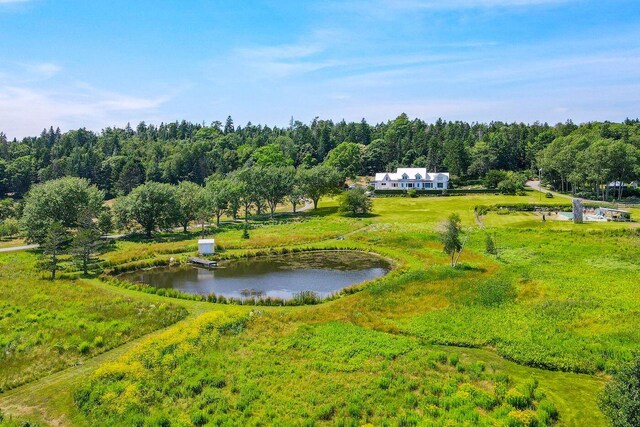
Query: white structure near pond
<point x="206" y="246"/>
<point x="411" y="178"/>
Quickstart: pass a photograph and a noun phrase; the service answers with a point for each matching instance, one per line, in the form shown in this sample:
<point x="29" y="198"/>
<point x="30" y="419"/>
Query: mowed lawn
<point x="500" y="339"/>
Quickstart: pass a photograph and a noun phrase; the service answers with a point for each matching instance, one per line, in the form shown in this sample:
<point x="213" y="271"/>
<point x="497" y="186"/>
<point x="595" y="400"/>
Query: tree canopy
<point x="59" y="201"/>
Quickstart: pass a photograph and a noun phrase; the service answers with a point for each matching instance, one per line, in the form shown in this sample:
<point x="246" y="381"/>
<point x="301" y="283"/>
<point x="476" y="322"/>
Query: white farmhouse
<point x="411" y="178"/>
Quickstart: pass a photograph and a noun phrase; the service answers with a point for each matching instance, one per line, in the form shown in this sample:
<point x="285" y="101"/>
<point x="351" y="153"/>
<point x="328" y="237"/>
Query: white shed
<point x="206" y="246"/>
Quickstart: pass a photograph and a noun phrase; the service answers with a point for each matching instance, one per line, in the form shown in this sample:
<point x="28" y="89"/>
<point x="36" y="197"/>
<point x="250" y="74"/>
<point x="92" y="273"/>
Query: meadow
<point x="527" y="337"/>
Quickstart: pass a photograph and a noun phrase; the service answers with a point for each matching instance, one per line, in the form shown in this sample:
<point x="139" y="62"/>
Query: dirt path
<point x="19" y="248"/>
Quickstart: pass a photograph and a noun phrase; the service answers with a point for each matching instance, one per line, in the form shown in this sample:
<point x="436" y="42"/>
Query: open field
<point x="47" y="326"/>
<point x="531" y="333"/>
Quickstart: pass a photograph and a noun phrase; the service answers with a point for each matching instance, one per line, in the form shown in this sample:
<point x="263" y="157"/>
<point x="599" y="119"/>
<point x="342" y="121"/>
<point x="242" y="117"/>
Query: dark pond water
<point x="276" y="276"/>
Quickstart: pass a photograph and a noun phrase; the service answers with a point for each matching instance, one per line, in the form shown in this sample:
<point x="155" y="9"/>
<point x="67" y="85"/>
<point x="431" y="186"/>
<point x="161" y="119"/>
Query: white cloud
<point x="27" y="110"/>
<point x="43" y="70"/>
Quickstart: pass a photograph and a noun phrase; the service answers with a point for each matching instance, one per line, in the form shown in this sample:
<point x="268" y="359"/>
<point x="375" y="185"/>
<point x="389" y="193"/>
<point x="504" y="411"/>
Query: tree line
<point x="595" y="160"/>
<point x="117" y="160"/>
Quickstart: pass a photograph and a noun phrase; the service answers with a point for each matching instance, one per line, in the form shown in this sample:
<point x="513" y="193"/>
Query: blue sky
<point x="73" y="63"/>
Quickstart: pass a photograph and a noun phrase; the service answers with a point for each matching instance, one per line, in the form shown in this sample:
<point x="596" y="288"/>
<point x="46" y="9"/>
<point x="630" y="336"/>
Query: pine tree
<point x="53" y="246"/>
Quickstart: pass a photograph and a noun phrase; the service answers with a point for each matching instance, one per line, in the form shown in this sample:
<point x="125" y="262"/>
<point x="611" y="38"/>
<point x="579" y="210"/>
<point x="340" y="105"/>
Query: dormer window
<point x="386" y="177"/>
<point x="405" y="176"/>
<point x="418" y="176"/>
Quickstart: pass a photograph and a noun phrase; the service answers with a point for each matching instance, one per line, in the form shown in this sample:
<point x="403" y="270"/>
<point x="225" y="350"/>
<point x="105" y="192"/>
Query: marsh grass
<point x="351" y="375"/>
<point x="46" y="326"/>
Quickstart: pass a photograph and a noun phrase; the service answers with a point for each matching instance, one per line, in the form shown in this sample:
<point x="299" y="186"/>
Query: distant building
<point x="411" y="178"/>
<point x="618" y="184"/>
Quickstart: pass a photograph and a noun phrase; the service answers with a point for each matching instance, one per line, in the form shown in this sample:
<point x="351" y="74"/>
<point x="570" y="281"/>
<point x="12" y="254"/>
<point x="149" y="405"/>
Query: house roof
<point x="412" y="174"/>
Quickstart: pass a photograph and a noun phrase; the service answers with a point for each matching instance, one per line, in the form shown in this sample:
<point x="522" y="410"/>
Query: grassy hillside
<point x="528" y="334"/>
<point x="46" y="326"/>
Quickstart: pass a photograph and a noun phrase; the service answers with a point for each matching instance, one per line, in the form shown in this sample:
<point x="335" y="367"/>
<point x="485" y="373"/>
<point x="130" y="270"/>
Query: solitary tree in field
<point x="450" y="237"/>
<point x="53" y="246"/>
<point x="319" y="181"/>
<point x="86" y="241"/>
<point x="355" y="202"/>
<point x="620" y="400"/>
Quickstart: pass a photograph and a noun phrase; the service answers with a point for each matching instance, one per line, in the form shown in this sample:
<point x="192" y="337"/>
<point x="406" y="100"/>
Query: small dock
<point x="203" y="262"/>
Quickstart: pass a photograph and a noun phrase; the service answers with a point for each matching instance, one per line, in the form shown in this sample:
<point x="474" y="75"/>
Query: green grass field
<point x="528" y="336"/>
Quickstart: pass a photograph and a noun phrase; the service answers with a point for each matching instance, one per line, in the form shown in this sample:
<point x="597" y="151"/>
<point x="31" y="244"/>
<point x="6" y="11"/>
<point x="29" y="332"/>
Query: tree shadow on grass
<point x="320" y="212"/>
<point x="468" y="267"/>
<point x="367" y="215"/>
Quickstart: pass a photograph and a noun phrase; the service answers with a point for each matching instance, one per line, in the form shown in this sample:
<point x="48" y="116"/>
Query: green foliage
<point x="317" y="182"/>
<point x="9" y="227"/>
<point x="271" y="155"/>
<point x="325" y="373"/>
<point x="86" y="242"/>
<point x="490" y="245"/>
<point x="346" y="158"/>
<point x="152" y="205"/>
<point x="105" y="221"/>
<point x="620" y="400"/>
<point x="493" y="178"/>
<point x="53" y="246"/>
<point x="189" y="202"/>
<point x="58" y="201"/>
<point x="511" y="183"/>
<point x="450" y="237"/>
<point x="47" y="327"/>
<point x="355" y="202"/>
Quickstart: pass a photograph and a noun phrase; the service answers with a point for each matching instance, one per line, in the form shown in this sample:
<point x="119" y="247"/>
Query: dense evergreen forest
<point x="574" y="158"/>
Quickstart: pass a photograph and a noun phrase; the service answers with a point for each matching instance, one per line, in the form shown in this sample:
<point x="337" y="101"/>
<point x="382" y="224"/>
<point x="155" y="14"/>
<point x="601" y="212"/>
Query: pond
<point x="283" y="276"/>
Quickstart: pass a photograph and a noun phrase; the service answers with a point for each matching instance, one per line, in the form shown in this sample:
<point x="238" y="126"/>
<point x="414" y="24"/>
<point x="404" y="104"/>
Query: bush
<point x="619" y="400"/>
<point x="305" y="297"/>
<point x="490" y="246"/>
<point x="512" y="183"/>
<point x="518" y="400"/>
<point x="493" y="178"/>
<point x="412" y="193"/>
<point x="9" y="227"/>
<point x="355" y="202"/>
<point x="84" y="347"/>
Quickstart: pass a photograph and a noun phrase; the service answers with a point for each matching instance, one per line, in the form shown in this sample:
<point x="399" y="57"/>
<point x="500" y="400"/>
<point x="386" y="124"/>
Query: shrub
<point x="517" y="399"/>
<point x="454" y="359"/>
<point x="9" y="227"/>
<point x="305" y="298"/>
<point x="199" y="418"/>
<point x="84" y="347"/>
<point x="326" y="412"/>
<point x="490" y="245"/>
<point x="412" y="193"/>
<point x="619" y="400"/>
<point x="355" y="202"/>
